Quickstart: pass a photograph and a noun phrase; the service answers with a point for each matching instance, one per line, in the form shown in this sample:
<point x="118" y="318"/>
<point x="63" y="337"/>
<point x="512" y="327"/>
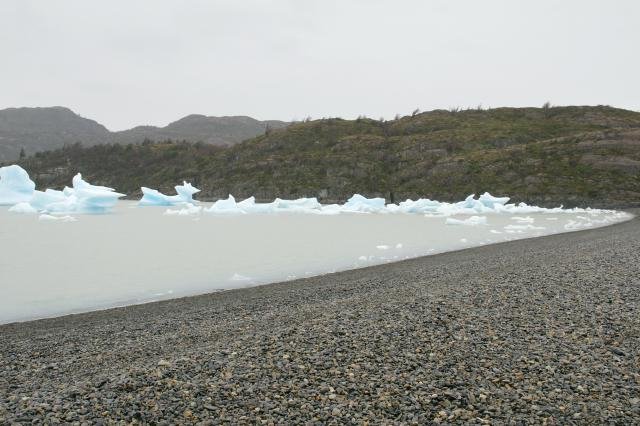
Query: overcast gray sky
<point x="125" y="63"/>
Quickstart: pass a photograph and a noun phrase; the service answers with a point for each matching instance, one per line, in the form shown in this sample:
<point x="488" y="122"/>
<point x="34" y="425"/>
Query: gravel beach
<point x="533" y="331"/>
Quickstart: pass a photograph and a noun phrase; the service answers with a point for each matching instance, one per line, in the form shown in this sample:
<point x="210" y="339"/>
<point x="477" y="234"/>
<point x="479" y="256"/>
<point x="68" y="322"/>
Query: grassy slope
<point x="570" y="155"/>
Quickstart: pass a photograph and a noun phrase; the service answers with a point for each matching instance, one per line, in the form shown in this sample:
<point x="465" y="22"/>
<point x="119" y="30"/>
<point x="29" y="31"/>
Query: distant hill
<point x="200" y="128"/>
<point x="41" y="129"/>
<point x="548" y="156"/>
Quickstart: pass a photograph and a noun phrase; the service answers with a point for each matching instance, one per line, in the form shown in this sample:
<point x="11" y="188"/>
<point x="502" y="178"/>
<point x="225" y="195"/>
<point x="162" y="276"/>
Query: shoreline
<point x="540" y="328"/>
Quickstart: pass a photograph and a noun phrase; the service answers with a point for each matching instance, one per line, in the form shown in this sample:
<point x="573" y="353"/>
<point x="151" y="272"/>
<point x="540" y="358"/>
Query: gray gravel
<point x="532" y="331"/>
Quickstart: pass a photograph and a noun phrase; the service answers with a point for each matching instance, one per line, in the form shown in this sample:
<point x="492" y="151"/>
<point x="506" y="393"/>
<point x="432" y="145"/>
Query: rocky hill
<point x="41" y="129"/>
<point x="549" y="156"/>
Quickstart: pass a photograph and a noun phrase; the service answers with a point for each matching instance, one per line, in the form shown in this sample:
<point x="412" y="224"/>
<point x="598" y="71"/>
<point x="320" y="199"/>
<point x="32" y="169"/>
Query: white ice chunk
<point x="358" y="203"/>
<point x="188" y="210"/>
<point x="492" y="202"/>
<point x="228" y="206"/>
<point x="300" y="204"/>
<point x="420" y="206"/>
<point x="153" y="197"/>
<point x="15" y="185"/>
<point x="238" y="277"/>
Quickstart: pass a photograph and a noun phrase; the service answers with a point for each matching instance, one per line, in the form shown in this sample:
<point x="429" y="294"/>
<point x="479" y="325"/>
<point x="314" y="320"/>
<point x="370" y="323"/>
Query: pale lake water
<point x="139" y="254"/>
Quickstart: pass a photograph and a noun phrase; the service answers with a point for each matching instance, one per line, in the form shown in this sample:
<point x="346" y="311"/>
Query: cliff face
<point x="569" y="155"/>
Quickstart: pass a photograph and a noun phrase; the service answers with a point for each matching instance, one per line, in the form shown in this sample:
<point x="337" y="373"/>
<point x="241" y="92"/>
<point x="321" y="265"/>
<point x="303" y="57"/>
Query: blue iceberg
<point x="153" y="197"/>
<point x="15" y="185"/>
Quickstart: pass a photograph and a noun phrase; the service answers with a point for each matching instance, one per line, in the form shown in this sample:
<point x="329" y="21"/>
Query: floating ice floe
<point x="153" y="197"/>
<point x="15" y="185"/>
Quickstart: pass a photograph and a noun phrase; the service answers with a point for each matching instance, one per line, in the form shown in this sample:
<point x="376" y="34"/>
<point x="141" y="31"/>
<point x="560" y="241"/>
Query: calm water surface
<point x="137" y="254"/>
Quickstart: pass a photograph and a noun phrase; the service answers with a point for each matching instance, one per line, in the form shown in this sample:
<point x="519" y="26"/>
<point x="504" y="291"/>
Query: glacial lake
<point x="140" y="254"/>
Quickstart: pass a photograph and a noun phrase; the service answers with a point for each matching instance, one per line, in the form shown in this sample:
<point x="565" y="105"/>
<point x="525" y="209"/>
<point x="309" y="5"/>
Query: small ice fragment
<point x="382" y="247"/>
<point x="495" y="231"/>
<point x="399" y="246"/>
<point x="523" y="228"/>
<point x="51" y="218"/>
<point x="238" y="277"/>
<point x="521" y="219"/>
<point x="188" y="210"/>
<point x="463" y="240"/>
<point x="362" y="258"/>
<point x="471" y="221"/>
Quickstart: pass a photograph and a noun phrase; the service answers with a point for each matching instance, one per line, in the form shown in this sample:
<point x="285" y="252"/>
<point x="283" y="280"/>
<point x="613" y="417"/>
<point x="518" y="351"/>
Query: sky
<point x="134" y="62"/>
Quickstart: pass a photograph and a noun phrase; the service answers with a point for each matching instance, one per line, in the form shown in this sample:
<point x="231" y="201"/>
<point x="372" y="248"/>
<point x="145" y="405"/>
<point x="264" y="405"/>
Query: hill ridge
<point x="576" y="156"/>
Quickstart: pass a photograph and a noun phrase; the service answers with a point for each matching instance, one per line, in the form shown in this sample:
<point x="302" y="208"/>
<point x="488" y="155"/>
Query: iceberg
<point x="82" y="197"/>
<point x="15" y="185"/>
<point x="153" y="197"/>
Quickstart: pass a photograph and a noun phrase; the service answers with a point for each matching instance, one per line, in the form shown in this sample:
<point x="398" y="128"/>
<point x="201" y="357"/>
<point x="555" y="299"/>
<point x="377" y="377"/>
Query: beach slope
<point x="528" y="330"/>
